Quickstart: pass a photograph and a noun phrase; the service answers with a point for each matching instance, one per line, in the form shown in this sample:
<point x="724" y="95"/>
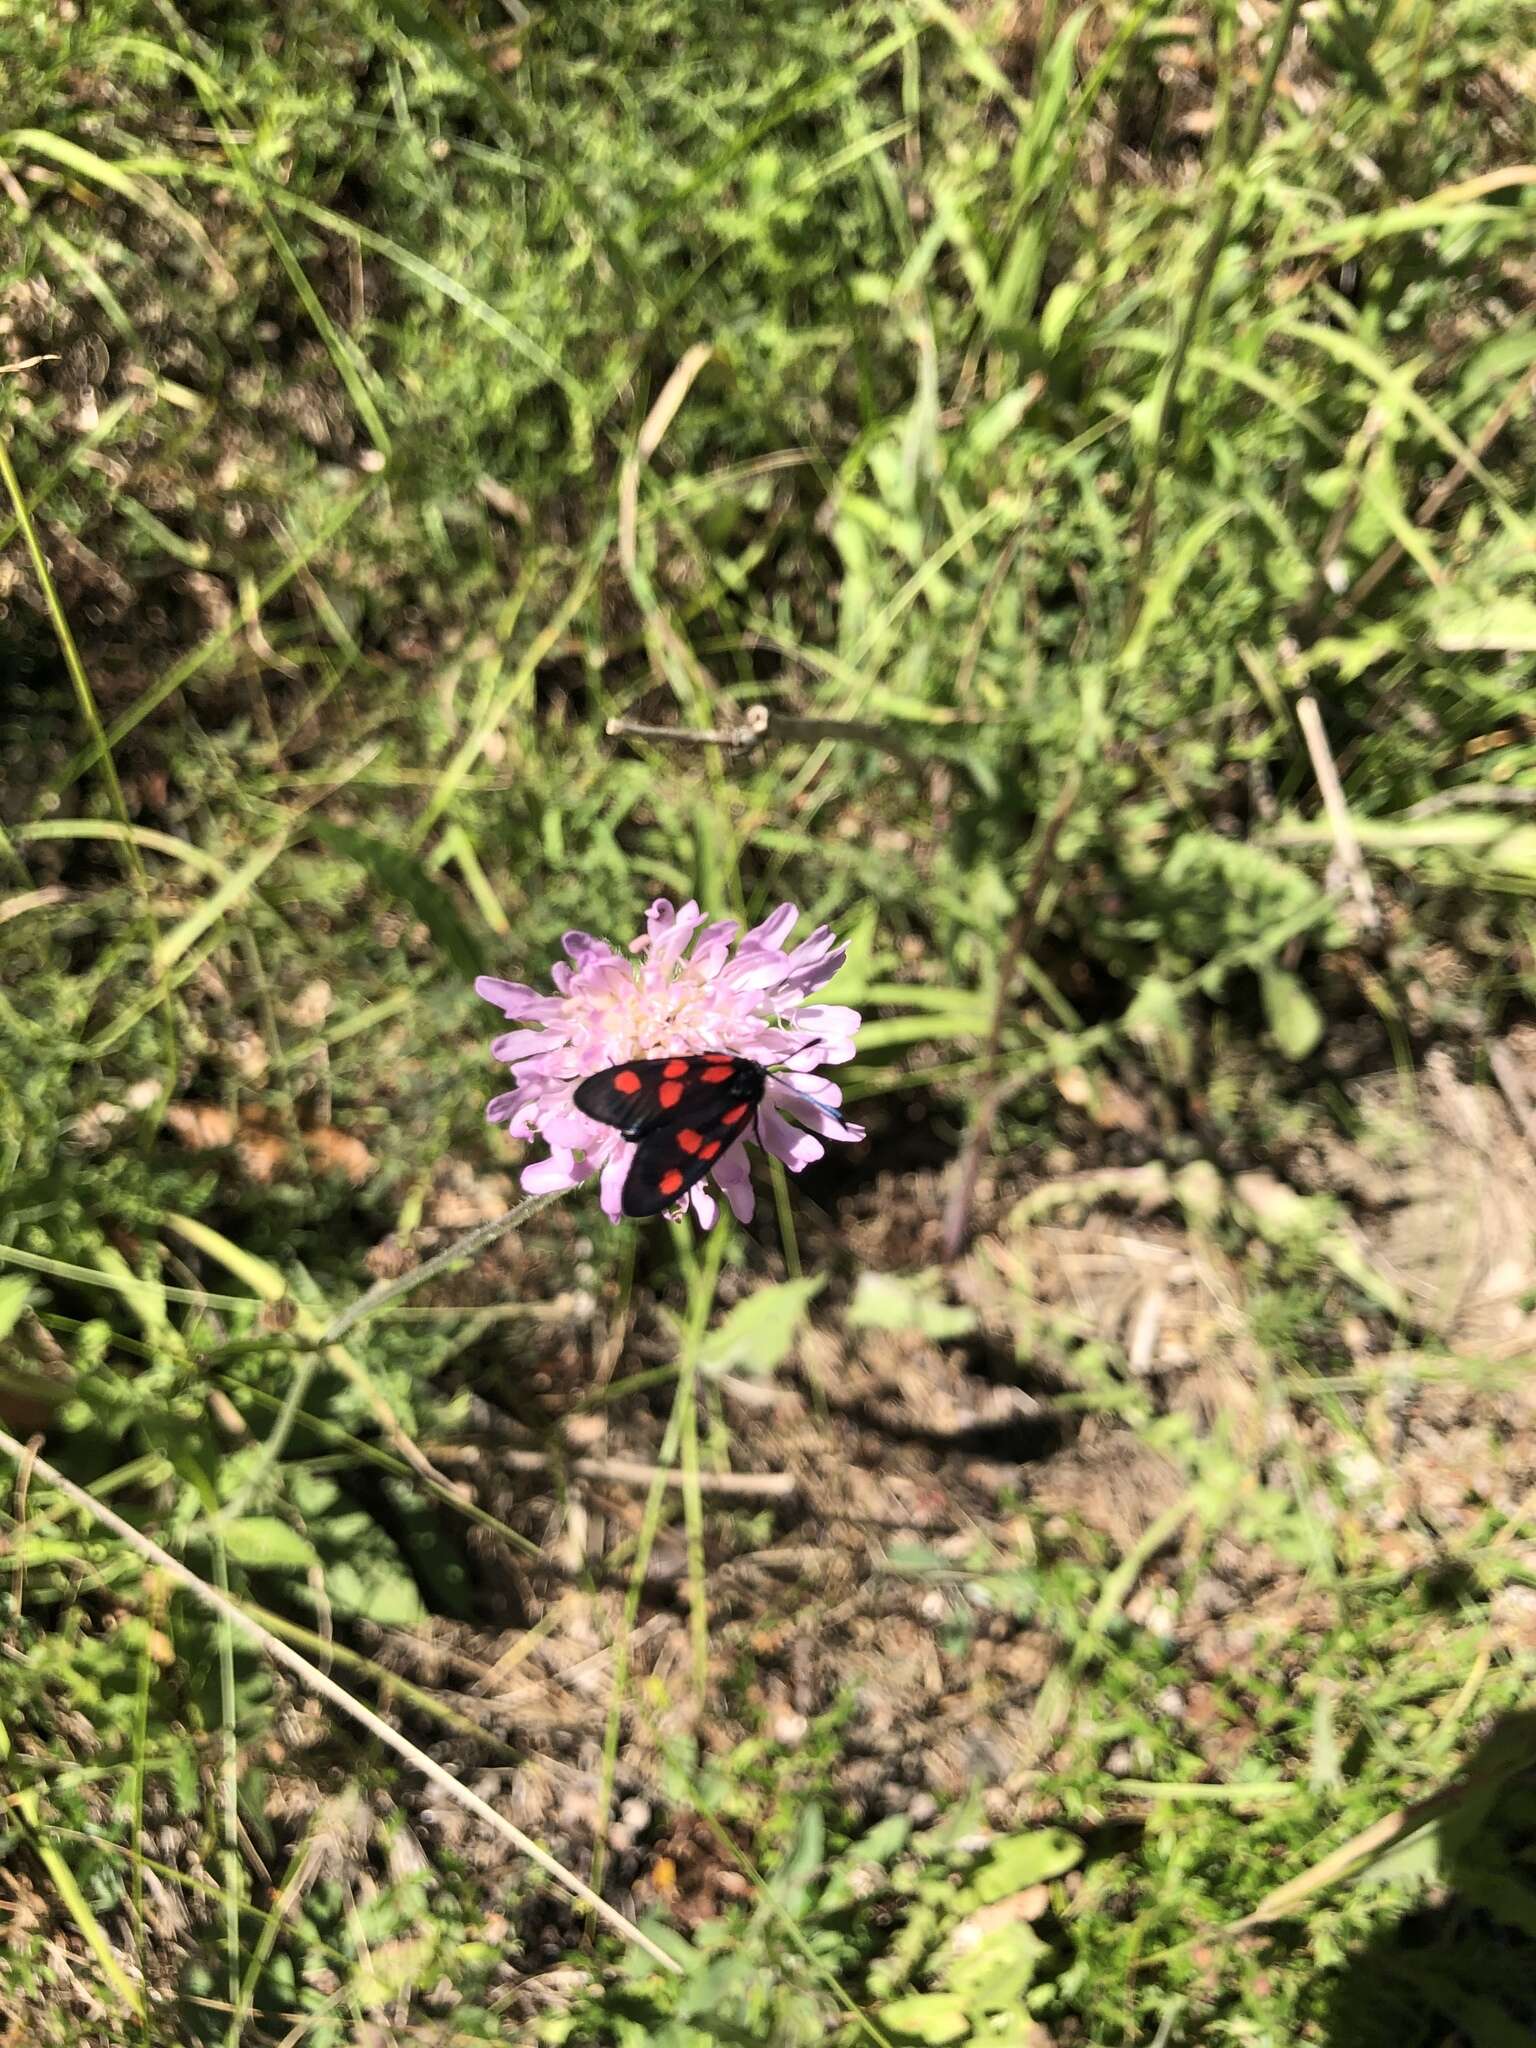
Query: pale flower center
<point x="643" y="1020"/>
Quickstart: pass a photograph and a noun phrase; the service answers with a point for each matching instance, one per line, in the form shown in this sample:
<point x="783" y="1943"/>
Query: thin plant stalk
<point x="701" y="1295"/>
<point x="229" y="1793"/>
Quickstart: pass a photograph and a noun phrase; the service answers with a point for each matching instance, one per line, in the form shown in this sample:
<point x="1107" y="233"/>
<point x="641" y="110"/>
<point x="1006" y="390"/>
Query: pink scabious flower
<point x="692" y="987"/>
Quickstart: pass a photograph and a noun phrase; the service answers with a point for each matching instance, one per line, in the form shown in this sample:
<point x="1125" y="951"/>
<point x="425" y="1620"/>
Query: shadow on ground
<point x="1458" y="1968"/>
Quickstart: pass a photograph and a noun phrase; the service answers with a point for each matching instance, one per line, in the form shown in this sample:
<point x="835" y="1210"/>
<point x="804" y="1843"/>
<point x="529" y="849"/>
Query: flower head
<point x="691" y="987"/>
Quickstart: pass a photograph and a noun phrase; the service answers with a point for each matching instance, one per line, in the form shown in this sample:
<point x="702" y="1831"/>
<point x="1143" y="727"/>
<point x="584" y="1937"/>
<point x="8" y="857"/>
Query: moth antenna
<point x="826" y="1108"/>
<point x="793" y="1050"/>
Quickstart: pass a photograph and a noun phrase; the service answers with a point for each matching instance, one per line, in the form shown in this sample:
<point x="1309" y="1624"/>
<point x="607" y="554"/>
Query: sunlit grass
<point x="1027" y="406"/>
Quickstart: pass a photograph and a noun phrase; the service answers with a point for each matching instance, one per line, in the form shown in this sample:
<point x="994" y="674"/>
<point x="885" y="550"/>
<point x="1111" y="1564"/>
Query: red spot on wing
<point x="674" y="1070"/>
<point x="690" y="1141"/>
<point x="670" y="1182"/>
<point x="710" y="1150"/>
<point x="670" y="1094"/>
<point x="736" y="1112"/>
<point x="716" y="1074"/>
<point x="627" y="1081"/>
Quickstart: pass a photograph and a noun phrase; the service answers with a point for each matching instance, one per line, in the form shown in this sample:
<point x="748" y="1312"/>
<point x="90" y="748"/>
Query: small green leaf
<point x="385" y="1595"/>
<point x="1165" y="588"/>
<point x="263" y="1543"/>
<point x="1515" y="853"/>
<point x="1415" y="1859"/>
<point x="884" y="1842"/>
<point x="1506" y="626"/>
<point x="924" y="1026"/>
<point x="1022" y="1860"/>
<point x="790" y="1883"/>
<point x="15" y="1293"/>
<point x="758" y="1333"/>
<point x="933" y="2016"/>
<point x="1000" y="422"/>
<point x="1295" y="1021"/>
<point x="1200" y="1193"/>
<point x="1155" y="1020"/>
<point x="897" y="1301"/>
<point x="995" y="1974"/>
<point x="1040" y="137"/>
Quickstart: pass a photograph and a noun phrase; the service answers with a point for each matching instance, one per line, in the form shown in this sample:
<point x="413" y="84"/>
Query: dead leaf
<point x="1116" y="1109"/>
<point x="248" y="1055"/>
<point x="1074" y="1085"/>
<point x="311" y="1006"/>
<point x="201" y="1126"/>
<point x="333" y="1151"/>
<point x="388" y="1260"/>
<point x="262" y="1153"/>
<point x="463" y="1197"/>
<point x="1025" y="1906"/>
<point x="93" y="1128"/>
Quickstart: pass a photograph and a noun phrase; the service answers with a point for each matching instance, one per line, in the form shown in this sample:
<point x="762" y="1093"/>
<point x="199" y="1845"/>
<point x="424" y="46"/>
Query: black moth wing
<point x="681" y="1114"/>
<point x="660" y="1175"/>
<point x="640" y="1094"/>
<point x="629" y="1109"/>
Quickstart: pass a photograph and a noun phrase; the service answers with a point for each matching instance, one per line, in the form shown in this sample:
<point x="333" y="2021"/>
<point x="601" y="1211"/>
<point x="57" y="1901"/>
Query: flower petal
<point x="733" y="1177"/>
<point x="712" y="949"/>
<point x="820" y="1117"/>
<point x="798" y="1149"/>
<point x="551" y="1176"/>
<point x="773" y="930"/>
<point x="667" y="934"/>
<point x="519" y="1045"/>
<point x="761" y="971"/>
<point x="828" y="1021"/>
<point x="512" y="998"/>
<point x="704" y="1204"/>
<point x="611" y="1187"/>
<point x="805" y="981"/>
<point x="570" y="1128"/>
<point x="581" y="947"/>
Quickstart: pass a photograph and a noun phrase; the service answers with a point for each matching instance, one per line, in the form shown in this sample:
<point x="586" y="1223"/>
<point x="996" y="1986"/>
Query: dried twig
<point x="758" y="724"/>
<point x="623" y="1471"/>
<point x="1346" y="845"/>
<point x="30" y="363"/>
<point x="652" y="433"/>
<point x="957" y="1211"/>
<point x="34" y="899"/>
<point x="320" y="1682"/>
<point x="1472" y="796"/>
<point x="736" y="738"/>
